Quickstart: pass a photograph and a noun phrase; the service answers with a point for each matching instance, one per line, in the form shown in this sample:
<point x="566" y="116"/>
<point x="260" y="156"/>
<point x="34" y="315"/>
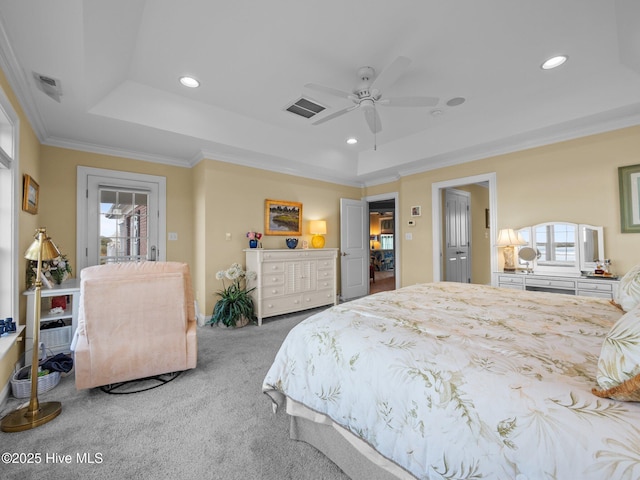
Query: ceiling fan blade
<point x="389" y="75"/>
<point x="329" y="90"/>
<point x="335" y="114"/>
<point x="409" y="102"/>
<point x="373" y="119"/>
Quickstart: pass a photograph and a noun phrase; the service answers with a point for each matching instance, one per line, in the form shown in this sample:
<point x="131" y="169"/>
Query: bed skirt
<point x="353" y="456"/>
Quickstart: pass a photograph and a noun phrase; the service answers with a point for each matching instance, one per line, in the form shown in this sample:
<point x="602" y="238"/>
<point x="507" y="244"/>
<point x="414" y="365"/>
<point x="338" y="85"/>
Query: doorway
<point x="121" y="217"/>
<point x="383" y="245"/>
<point x="483" y="224"/>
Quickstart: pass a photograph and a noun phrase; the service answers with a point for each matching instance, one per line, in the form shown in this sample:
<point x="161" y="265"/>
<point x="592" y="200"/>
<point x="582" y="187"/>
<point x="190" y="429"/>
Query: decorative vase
<point x="292" y="242"/>
<point x="253" y="243"/>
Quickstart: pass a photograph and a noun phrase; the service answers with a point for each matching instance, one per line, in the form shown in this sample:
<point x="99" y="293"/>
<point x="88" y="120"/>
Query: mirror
<point x="528" y="254"/>
<point x="591" y="247"/>
<point x="562" y="248"/>
<point x="556" y="243"/>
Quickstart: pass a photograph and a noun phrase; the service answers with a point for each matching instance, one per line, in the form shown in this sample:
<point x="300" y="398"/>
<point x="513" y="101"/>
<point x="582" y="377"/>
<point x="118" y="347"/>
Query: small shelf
<point x="58" y="338"/>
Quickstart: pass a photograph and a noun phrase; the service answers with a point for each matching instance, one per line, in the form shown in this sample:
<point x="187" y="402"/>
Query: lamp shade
<point x="49" y="249"/>
<point x="318" y="227"/>
<point x="507" y="237"/>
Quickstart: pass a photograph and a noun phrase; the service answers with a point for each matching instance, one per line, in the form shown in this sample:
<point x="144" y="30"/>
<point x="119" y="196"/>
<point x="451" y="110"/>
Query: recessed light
<point x="554" y="62"/>
<point x="189" y="82"/>
<point x="352" y="141"/>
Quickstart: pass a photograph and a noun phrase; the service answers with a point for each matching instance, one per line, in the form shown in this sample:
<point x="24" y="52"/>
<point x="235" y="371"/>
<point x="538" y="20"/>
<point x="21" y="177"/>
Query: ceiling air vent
<point x="305" y="108"/>
<point x="49" y="85"/>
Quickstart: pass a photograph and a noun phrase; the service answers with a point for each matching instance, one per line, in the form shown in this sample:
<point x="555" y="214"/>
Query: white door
<point x="457" y="236"/>
<point x="121" y="217"/>
<point x="354" y="248"/>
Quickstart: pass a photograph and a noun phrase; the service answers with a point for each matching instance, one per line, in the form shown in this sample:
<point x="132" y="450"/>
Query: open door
<point x="354" y="248"/>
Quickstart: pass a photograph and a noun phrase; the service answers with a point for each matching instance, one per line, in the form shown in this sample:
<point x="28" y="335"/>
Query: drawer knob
<point x="274" y="291"/>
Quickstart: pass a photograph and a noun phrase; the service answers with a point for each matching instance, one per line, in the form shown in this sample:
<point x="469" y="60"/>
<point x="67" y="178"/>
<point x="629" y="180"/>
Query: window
<point x="386" y="241"/>
<point x="9" y="130"/>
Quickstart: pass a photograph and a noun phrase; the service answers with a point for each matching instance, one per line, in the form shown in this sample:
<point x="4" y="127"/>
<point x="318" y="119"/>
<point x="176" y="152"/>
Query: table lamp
<point x="35" y="414"/>
<point x="508" y="239"/>
<point x="317" y="229"/>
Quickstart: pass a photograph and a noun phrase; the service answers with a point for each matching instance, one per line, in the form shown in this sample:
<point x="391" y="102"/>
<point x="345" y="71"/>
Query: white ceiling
<point x="118" y="63"/>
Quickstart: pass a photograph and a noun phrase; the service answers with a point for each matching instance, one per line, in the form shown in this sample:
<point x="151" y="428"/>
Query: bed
<point x="458" y="381"/>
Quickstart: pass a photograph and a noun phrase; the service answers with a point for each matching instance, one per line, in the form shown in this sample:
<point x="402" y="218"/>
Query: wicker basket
<point x="22" y="388"/>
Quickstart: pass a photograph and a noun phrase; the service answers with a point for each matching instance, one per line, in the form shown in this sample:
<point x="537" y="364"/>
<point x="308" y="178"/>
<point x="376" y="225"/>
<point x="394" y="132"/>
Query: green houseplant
<point x="235" y="306"/>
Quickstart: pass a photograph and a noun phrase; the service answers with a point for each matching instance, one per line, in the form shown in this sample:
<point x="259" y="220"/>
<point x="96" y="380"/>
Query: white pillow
<point x="620" y="355"/>
<point x="628" y="295"/>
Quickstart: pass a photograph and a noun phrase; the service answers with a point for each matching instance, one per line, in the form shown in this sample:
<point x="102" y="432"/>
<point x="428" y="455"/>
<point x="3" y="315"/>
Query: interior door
<point x="121" y="217"/>
<point x="354" y="248"/>
<point x="457" y="236"/>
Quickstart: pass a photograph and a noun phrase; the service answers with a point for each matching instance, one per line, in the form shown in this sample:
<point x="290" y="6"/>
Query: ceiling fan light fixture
<point x="554" y="62"/>
<point x="189" y="81"/>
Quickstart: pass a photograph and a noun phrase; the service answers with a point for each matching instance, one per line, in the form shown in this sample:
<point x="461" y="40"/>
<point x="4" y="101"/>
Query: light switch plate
<point x="173" y="236"/>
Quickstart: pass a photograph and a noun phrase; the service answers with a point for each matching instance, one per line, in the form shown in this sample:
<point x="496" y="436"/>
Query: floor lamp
<point x="35" y="414"/>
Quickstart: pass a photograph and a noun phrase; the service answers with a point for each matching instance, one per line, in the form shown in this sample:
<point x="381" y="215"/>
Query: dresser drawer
<point x="316" y="299"/>
<point x="273" y="279"/>
<point x="326" y="263"/>
<point x="599" y="287"/>
<point x="562" y="284"/>
<point x="272" y="267"/>
<point x="278" y="305"/>
<point x="506" y="280"/>
<point x="325" y="274"/>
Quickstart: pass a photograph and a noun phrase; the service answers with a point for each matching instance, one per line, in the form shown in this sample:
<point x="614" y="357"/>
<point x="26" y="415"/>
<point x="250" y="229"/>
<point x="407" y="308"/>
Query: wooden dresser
<point x="291" y="280"/>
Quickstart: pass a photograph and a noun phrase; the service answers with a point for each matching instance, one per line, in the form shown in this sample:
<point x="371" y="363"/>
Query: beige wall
<point x="234" y="204"/>
<point x="58" y="179"/>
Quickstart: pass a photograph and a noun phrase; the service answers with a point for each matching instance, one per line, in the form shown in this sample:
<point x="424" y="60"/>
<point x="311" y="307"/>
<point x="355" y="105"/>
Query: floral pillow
<point x="628" y="295"/>
<point x="620" y="355"/>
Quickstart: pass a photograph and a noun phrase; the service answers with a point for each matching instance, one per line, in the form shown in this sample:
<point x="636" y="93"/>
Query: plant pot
<point x="240" y="322"/>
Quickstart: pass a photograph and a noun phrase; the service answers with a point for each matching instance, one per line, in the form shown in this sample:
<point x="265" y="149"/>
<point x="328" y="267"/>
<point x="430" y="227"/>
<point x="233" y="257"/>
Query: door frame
<point x="82" y="207"/>
<point x="396" y="228"/>
<point x="436" y="216"/>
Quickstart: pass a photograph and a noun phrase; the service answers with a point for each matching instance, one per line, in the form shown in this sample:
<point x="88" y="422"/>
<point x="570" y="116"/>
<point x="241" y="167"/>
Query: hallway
<point x="385" y="280"/>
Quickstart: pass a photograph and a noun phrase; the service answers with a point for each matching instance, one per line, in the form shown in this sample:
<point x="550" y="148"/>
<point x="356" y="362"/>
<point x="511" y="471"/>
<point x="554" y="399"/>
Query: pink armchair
<point x="136" y="320"/>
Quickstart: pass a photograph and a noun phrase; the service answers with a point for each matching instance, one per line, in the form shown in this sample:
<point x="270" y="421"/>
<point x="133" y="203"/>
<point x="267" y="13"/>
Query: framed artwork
<point x="282" y="217"/>
<point x="30" y="195"/>
<point x="629" y="178"/>
<point x="386" y="225"/>
<point x="416" y="211"/>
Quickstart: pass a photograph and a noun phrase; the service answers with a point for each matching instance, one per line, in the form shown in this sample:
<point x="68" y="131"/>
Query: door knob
<point x="344" y="254"/>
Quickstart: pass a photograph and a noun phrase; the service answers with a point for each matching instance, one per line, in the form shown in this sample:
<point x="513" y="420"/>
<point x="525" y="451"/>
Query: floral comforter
<point x="459" y="381"/>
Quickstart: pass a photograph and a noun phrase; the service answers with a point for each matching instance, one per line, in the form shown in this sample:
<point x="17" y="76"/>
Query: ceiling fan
<point x="368" y="94"/>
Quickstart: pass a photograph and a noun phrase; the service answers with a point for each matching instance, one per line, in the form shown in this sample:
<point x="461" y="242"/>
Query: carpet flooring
<point x="212" y="422"/>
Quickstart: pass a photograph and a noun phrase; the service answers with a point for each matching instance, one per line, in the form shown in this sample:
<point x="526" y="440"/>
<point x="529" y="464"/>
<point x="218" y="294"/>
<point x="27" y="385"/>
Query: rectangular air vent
<point x="49" y="85"/>
<point x="305" y="108"/>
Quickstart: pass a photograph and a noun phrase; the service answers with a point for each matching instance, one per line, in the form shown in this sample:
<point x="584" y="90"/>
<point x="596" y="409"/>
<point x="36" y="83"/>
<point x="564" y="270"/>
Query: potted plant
<point x="235" y="306"/>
